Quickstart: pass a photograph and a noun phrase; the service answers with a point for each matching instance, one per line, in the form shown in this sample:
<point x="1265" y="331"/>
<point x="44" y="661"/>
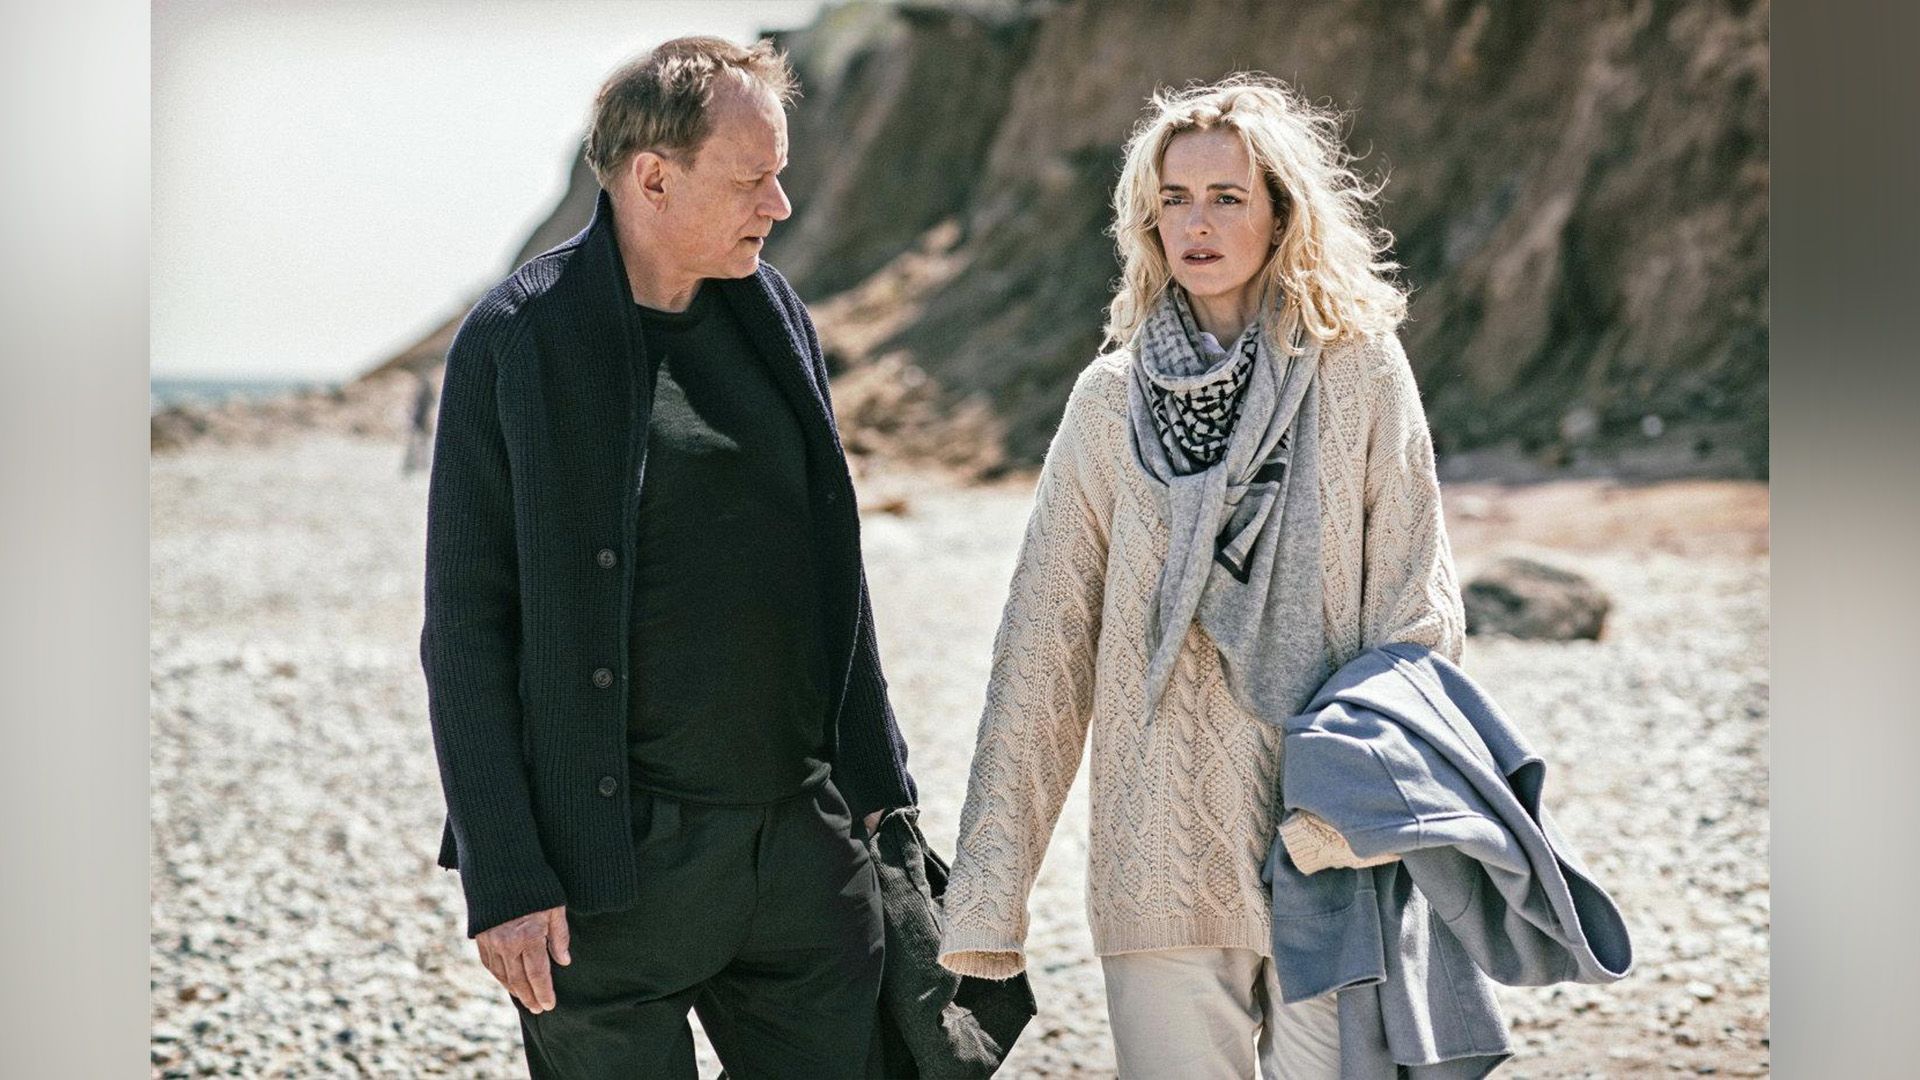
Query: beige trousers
<point x="1201" y="1014"/>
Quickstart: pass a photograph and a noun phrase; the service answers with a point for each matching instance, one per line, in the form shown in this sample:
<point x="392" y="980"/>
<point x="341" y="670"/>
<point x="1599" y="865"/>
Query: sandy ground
<point x="300" y="927"/>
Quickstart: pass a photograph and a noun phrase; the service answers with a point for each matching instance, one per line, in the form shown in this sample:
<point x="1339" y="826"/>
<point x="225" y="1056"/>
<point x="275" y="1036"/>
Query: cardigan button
<point x="608" y="785"/>
<point x="602" y="678"/>
<point x="606" y="558"/>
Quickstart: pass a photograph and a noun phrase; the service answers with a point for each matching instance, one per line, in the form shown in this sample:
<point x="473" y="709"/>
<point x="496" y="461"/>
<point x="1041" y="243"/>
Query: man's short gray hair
<point x="661" y="101"/>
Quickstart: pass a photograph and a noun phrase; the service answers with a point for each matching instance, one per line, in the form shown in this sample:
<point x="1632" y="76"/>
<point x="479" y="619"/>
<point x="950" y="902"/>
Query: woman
<point x="1240" y="498"/>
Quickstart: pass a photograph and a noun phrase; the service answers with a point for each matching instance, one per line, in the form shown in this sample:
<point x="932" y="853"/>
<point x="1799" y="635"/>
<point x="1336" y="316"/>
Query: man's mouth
<point x="1201" y="257"/>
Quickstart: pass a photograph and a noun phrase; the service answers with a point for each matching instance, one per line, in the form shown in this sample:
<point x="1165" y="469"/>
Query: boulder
<point x="1525" y="598"/>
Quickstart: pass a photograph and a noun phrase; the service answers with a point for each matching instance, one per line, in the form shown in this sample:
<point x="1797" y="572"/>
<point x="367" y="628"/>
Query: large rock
<point x="1525" y="598"/>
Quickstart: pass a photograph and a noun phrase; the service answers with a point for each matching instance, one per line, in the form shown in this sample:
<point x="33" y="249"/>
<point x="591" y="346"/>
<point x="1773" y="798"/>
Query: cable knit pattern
<point x="1183" y="811"/>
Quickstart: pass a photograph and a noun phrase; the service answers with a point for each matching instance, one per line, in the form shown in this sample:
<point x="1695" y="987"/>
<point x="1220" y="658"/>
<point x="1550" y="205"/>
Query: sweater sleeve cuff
<point x="496" y="898"/>
<point x="982" y="953"/>
<point x="897" y="791"/>
<point x="1315" y="845"/>
<point x="984" y="965"/>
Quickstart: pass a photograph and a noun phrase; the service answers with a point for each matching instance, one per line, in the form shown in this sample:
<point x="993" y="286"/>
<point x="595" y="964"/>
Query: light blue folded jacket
<point x="1402" y="753"/>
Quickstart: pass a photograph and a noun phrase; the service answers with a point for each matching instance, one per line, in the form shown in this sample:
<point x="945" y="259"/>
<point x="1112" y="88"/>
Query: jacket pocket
<point x="1326" y="931"/>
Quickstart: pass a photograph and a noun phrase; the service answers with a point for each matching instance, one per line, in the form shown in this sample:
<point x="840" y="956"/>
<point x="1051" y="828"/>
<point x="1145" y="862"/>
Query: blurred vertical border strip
<point x="74" y="170"/>
<point x="1846" y="970"/>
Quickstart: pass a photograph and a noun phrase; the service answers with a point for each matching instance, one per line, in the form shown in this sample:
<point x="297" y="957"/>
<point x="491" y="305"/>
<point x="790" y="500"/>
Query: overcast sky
<point x="330" y="180"/>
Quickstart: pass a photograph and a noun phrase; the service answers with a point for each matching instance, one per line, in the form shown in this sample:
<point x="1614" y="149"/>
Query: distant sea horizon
<point x="164" y="392"/>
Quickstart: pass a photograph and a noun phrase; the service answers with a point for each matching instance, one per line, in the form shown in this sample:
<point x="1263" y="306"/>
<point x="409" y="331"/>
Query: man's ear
<point x="650" y="178"/>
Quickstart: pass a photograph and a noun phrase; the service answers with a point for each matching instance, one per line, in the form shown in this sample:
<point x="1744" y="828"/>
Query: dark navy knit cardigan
<point x="538" y="462"/>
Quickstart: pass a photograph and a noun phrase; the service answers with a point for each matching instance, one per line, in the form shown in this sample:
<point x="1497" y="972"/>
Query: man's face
<point x="717" y="213"/>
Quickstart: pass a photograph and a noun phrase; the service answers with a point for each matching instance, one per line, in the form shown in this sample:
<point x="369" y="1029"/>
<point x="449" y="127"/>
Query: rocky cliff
<point x="1579" y="193"/>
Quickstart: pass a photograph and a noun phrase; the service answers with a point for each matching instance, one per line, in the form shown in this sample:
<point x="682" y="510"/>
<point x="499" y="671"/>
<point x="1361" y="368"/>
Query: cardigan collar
<point x="594" y="288"/>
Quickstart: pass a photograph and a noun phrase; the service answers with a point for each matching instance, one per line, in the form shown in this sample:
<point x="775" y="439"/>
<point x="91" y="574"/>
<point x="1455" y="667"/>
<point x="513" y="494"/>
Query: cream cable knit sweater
<point x="1184" y="811"/>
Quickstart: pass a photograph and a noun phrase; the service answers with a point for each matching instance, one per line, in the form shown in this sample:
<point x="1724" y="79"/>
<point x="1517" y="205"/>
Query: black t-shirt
<point x="729" y="691"/>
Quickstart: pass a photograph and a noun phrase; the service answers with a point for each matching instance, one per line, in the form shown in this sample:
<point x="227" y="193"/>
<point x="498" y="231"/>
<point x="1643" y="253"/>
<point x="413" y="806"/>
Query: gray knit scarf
<point x="1244" y="551"/>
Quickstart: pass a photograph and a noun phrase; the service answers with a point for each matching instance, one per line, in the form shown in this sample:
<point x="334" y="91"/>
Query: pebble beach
<point x="300" y="926"/>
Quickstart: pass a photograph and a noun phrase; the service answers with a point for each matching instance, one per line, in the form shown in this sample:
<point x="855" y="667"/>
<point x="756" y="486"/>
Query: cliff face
<point x="900" y="108"/>
<point x="1579" y="193"/>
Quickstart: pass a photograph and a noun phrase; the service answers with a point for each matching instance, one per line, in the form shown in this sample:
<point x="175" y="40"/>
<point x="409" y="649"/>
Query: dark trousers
<point x="765" y="920"/>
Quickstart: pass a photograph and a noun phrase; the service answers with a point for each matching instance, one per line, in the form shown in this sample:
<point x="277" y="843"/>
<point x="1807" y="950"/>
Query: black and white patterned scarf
<point x="1198" y="396"/>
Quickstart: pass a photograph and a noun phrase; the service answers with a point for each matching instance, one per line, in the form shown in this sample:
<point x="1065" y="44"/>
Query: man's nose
<point x="778" y="207"/>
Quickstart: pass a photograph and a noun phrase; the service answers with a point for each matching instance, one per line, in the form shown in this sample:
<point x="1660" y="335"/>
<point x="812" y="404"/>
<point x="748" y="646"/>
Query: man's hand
<point x="516" y="952"/>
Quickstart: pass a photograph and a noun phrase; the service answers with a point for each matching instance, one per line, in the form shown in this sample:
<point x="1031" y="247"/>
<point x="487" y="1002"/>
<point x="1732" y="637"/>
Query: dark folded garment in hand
<point x="933" y="1022"/>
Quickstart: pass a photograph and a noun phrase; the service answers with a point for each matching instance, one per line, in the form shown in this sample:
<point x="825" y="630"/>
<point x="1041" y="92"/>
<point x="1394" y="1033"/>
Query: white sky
<point x="331" y="179"/>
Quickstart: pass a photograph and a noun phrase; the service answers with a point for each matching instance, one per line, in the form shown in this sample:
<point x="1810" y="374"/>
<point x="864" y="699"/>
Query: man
<point x="656" y="697"/>
<point x="420" y="429"/>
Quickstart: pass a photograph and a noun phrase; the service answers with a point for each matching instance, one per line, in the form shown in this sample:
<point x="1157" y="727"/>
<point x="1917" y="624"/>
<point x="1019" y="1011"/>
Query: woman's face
<point x="1216" y="219"/>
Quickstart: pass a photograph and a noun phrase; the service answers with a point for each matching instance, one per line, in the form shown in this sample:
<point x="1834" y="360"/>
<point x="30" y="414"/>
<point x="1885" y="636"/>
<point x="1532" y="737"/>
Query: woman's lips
<point x="1200" y="257"/>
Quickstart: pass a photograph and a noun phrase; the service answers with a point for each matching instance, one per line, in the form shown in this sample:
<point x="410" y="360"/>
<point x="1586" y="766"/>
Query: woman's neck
<point x="1226" y="317"/>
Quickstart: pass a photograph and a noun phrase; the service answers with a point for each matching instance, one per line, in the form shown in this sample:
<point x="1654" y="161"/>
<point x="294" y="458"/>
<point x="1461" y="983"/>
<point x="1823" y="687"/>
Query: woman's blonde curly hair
<point x="1327" y="275"/>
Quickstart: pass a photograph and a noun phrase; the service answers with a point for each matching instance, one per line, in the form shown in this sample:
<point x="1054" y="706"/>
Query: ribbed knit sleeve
<point x="1410" y="588"/>
<point x="870" y="766"/>
<point x="1039" y="702"/>
<point x="870" y="755"/>
<point x="469" y="645"/>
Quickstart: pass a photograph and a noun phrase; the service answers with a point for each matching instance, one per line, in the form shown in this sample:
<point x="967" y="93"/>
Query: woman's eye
<point x="1230" y="200"/>
<point x="1169" y="200"/>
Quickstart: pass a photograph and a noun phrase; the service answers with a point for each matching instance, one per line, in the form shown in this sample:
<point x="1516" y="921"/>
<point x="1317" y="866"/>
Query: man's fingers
<point x="519" y="985"/>
<point x="539" y="980"/>
<point x="489" y="959"/>
<point x="516" y="953"/>
<point x="558" y="936"/>
<point x="501" y="974"/>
